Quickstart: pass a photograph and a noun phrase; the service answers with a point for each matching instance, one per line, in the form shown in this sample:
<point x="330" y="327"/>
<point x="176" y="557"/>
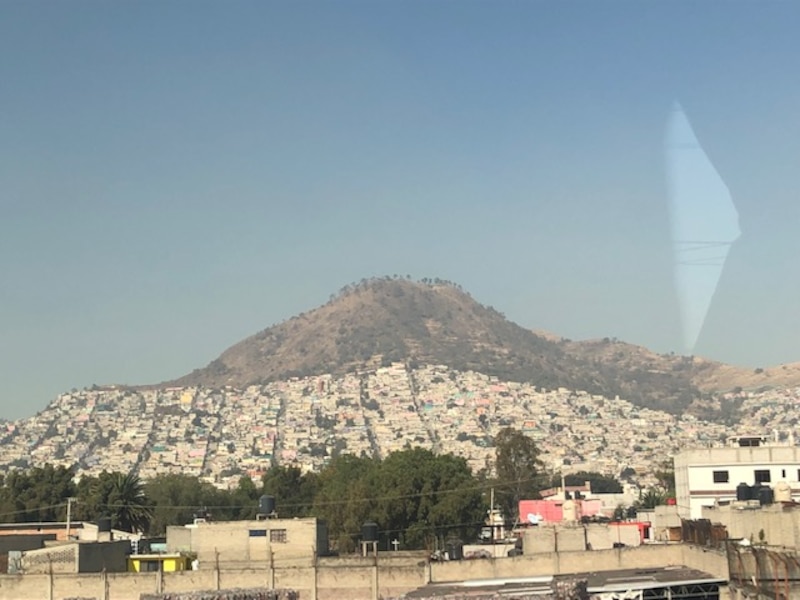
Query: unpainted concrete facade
<point x="356" y="578"/>
<point x="577" y="538"/>
<point x="78" y="557"/>
<point x="251" y="543"/>
<point x="775" y="524"/>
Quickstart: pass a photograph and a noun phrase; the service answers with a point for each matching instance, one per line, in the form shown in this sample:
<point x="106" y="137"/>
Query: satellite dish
<point x="534" y="519"/>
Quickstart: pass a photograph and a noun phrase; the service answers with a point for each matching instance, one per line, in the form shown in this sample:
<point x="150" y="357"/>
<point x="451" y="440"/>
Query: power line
<point x="32" y="510"/>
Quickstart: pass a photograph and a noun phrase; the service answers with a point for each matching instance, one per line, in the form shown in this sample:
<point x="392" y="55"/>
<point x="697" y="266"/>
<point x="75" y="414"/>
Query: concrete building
<point x="665" y="523"/>
<point x="579" y="538"/>
<point x="57" y="530"/>
<point x="266" y="542"/>
<point x="773" y="525"/>
<point x="166" y="563"/>
<point x="78" y="557"/>
<point x="707" y="476"/>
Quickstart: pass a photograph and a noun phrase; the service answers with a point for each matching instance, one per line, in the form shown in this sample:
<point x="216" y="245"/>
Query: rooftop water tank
<point x="783" y="492"/>
<point x="755" y="491"/>
<point x="743" y="492"/>
<point x="455" y="550"/>
<point x="266" y="505"/>
<point x="369" y="531"/>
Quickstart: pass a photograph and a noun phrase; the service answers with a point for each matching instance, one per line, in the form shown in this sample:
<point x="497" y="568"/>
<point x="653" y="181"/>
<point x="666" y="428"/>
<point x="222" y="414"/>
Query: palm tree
<point x="128" y="504"/>
<point x="651" y="498"/>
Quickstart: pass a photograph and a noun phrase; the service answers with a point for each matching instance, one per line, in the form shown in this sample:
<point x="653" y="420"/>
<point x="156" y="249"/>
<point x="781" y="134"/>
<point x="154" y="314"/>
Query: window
<point x="762" y="476"/>
<point x="721" y="477"/>
<point x="783" y="473"/>
<point x="149" y="566"/>
<point x="258" y="533"/>
<point x="277" y="536"/>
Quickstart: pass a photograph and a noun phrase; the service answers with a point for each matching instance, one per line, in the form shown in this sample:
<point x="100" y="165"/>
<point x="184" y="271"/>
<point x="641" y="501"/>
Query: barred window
<point x="277" y="536"/>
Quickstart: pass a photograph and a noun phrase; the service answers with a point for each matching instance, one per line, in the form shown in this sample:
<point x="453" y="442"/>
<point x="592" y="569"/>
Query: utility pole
<point x="492" y="521"/>
<point x="70" y="500"/>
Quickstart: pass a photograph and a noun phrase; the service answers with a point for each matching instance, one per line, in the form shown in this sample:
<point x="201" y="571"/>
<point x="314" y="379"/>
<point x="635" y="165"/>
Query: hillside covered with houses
<point x="220" y="434"/>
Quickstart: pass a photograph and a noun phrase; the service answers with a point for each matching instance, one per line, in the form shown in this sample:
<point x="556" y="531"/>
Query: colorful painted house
<point x="166" y="563"/>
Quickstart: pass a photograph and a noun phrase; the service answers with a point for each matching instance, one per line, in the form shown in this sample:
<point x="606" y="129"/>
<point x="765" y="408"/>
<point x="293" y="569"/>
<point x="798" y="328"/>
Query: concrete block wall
<point x="709" y="560"/>
<point x="539" y="540"/>
<point x="780" y="527"/>
<point x="356" y="579"/>
<point x="570" y="539"/>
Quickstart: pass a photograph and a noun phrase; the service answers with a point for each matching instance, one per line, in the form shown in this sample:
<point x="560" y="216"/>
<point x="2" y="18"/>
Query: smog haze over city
<point x="177" y="176"/>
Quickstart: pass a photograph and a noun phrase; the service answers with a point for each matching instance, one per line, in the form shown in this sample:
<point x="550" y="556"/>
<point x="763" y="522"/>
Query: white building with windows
<point x="707" y="476"/>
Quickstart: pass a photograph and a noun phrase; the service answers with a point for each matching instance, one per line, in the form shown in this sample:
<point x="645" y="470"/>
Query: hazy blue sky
<point x="175" y="176"/>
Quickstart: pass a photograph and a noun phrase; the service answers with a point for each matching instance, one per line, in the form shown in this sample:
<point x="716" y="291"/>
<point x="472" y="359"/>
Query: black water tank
<point x="766" y="496"/>
<point x="755" y="491"/>
<point x="455" y="550"/>
<point x="266" y="505"/>
<point x="743" y="492"/>
<point x="104" y="524"/>
<point x="369" y="531"/>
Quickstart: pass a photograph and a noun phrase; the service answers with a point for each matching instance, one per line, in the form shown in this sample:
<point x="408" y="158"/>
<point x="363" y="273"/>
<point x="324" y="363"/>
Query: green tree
<point x="38" y="494"/>
<point x="651" y="498"/>
<point x="128" y="504"/>
<point x="518" y="469"/>
<point x="344" y="498"/>
<point x="665" y="474"/>
<point x="244" y="499"/>
<point x="423" y="495"/>
<point x="92" y="496"/>
<point x="293" y="490"/>
<point x="600" y="484"/>
<point x="179" y="498"/>
<point x="619" y="513"/>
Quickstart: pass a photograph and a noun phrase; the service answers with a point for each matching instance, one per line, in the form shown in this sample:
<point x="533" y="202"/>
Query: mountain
<point x="706" y="375"/>
<point x="379" y="321"/>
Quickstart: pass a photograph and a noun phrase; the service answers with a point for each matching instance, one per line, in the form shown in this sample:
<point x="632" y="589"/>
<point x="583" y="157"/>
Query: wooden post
<point x="160" y="578"/>
<point x="375" y="581"/>
<point x="51" y="591"/>
<point x="106" y="585"/>
<point x="271" y="584"/>
<point x="216" y="568"/>
<point x="314" y="574"/>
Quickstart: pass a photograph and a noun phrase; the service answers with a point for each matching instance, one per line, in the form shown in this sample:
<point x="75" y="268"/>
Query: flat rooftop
<point x="597" y="582"/>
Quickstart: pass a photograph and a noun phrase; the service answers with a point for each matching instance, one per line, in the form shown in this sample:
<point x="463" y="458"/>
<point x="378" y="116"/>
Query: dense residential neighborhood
<point x="220" y="434"/>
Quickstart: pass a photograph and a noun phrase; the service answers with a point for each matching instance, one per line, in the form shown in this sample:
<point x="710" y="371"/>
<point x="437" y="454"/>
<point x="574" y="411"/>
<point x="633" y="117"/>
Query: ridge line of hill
<point x="383" y="320"/>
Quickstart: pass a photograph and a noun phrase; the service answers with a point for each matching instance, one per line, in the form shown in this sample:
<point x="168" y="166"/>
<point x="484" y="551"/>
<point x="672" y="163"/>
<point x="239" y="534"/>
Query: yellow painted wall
<point x="170" y="564"/>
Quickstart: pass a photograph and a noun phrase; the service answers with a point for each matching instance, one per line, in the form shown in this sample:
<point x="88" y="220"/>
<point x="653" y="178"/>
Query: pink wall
<point x="590" y="508"/>
<point x="550" y="510"/>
